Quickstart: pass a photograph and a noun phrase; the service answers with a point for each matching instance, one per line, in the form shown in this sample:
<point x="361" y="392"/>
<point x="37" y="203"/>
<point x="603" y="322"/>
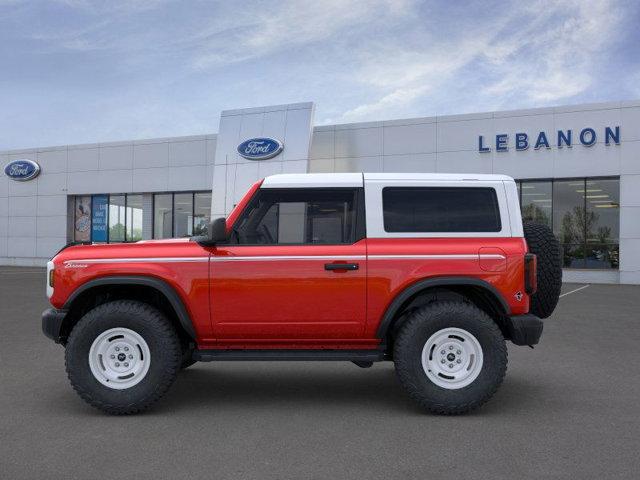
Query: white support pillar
<point x="290" y="124"/>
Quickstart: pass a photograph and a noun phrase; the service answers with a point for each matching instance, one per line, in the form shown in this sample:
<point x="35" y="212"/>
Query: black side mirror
<point x="216" y="233"/>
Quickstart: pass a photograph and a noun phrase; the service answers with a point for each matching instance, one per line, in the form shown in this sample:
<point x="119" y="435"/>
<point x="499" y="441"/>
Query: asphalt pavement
<point x="570" y="408"/>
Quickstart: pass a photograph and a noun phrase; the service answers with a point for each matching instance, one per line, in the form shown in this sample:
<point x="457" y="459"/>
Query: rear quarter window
<point x="440" y="209"/>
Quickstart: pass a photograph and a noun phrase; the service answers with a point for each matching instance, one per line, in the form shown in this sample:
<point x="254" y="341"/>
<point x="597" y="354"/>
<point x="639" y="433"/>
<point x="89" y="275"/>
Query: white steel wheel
<point x="452" y="358"/>
<point x="119" y="358"/>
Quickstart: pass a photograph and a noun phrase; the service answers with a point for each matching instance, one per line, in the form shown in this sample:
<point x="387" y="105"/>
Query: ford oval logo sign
<point x="260" y="148"/>
<point x="22" y="170"/>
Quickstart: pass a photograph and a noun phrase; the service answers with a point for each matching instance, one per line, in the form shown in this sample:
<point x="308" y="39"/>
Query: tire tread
<point x="546" y="247"/>
<point x="406" y="336"/>
<point x="164" y="329"/>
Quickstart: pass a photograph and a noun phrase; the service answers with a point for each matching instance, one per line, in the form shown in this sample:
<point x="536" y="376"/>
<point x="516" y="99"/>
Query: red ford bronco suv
<point x="431" y="271"/>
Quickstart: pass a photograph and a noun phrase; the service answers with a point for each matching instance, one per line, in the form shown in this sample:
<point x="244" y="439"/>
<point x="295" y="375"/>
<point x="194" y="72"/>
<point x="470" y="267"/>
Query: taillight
<point x="530" y="273"/>
<point x="50" y="278"/>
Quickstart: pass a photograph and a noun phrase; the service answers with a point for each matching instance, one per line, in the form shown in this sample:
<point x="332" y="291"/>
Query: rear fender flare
<point x="402" y="297"/>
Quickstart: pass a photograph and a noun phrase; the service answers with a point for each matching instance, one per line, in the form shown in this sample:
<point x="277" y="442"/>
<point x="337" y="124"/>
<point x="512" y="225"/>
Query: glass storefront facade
<point x="182" y="214"/>
<point x="117" y="218"/>
<point x="584" y="214"/>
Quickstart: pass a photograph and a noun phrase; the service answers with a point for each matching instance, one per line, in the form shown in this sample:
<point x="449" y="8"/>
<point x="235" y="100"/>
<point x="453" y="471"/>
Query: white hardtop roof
<point x="300" y="180"/>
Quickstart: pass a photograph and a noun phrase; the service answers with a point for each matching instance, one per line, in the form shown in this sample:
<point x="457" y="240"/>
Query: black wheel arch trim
<point x="420" y="285"/>
<point x="163" y="287"/>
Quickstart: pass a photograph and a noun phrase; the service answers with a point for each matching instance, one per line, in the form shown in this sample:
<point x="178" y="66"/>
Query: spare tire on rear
<point x="545" y="246"/>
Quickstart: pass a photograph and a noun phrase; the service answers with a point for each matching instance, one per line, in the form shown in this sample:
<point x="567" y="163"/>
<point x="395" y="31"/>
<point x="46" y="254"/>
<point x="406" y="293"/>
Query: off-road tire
<point x="407" y="355"/>
<point x="155" y="329"/>
<point x="546" y="247"/>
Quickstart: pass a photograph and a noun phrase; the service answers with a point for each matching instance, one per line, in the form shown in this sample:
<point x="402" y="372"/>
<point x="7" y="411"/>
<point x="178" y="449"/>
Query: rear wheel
<point x="122" y="356"/>
<point x="545" y="246"/>
<point x="450" y="357"/>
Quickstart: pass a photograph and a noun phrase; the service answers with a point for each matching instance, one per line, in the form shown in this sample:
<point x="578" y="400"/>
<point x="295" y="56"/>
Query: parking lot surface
<point x="570" y="408"/>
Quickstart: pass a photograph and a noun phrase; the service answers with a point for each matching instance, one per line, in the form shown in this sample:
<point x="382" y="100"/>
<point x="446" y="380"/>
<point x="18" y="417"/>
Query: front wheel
<point x="450" y="356"/>
<point x="122" y="356"/>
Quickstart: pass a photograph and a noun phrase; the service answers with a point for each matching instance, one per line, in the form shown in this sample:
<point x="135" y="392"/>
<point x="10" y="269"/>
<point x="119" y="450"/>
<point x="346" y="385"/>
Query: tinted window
<point x="440" y="209"/>
<point x="134" y="218"/>
<point x="315" y="216"/>
<point x="162" y="215"/>
<point x="586" y="220"/>
<point x="536" y="202"/>
<point x="183" y="214"/>
<point x="117" y="216"/>
<point x="201" y="212"/>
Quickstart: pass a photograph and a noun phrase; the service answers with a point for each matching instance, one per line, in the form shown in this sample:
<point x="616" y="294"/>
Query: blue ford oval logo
<point x="260" y="148"/>
<point x="22" y="170"/>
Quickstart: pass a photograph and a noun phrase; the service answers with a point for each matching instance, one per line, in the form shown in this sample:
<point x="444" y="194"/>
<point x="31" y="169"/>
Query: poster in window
<point x="82" y="219"/>
<point x="99" y="213"/>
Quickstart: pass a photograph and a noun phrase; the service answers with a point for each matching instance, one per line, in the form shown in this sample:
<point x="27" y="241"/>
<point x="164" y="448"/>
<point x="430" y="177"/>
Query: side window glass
<point x="440" y="209"/>
<point x="298" y="217"/>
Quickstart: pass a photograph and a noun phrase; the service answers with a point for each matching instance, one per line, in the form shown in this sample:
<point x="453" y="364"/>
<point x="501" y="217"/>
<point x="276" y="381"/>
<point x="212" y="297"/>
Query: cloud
<point x="541" y="53"/>
<point x="406" y="76"/>
<point x="552" y="61"/>
<point x="255" y="33"/>
<point x="95" y="70"/>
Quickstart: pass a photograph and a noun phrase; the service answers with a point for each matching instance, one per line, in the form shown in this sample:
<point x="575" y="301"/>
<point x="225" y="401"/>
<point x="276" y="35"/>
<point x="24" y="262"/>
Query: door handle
<point x="341" y="266"/>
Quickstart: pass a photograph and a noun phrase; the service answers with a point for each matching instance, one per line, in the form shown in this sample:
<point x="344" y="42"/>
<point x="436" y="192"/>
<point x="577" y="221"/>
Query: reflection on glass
<point x="134" y="218"/>
<point x="584" y="214"/>
<point x="162" y="215"/>
<point x="573" y="256"/>
<point x="602" y="256"/>
<point x="569" y="217"/>
<point x="536" y="202"/>
<point x="603" y="210"/>
<point x="201" y="213"/>
<point x="117" y="218"/>
<point x="183" y="216"/>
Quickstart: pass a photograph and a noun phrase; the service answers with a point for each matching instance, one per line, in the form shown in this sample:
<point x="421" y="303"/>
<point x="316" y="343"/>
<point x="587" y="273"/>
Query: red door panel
<point x="283" y="294"/>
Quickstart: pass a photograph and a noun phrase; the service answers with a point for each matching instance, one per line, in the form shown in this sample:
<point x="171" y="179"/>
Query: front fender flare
<point x="163" y="287"/>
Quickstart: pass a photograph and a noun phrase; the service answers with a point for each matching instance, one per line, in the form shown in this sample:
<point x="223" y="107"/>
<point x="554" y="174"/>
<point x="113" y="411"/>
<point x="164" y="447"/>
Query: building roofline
<point x="355" y="125"/>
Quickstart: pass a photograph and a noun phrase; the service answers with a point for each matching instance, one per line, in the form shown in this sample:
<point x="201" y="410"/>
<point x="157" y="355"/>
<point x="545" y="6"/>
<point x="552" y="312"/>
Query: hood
<point x="141" y="249"/>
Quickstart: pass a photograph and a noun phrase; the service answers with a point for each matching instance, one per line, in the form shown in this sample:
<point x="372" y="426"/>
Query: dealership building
<point x="577" y="169"/>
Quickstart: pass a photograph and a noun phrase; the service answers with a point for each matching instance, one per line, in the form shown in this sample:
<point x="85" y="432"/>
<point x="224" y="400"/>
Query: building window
<point x="536" y="202"/>
<point x="163" y="215"/>
<point x="117" y="218"/>
<point x="201" y="212"/>
<point x="82" y="219"/>
<point x="108" y="218"/>
<point x="182" y="214"/>
<point x="584" y="214"/>
<point x="603" y="223"/>
<point x="134" y="218"/>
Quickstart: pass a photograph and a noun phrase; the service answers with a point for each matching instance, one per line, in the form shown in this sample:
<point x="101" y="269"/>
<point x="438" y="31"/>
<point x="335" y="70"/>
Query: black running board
<point x="289" y="355"/>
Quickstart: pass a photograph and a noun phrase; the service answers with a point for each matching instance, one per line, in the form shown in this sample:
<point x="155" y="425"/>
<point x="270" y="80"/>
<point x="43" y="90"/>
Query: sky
<point x="80" y="71"/>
